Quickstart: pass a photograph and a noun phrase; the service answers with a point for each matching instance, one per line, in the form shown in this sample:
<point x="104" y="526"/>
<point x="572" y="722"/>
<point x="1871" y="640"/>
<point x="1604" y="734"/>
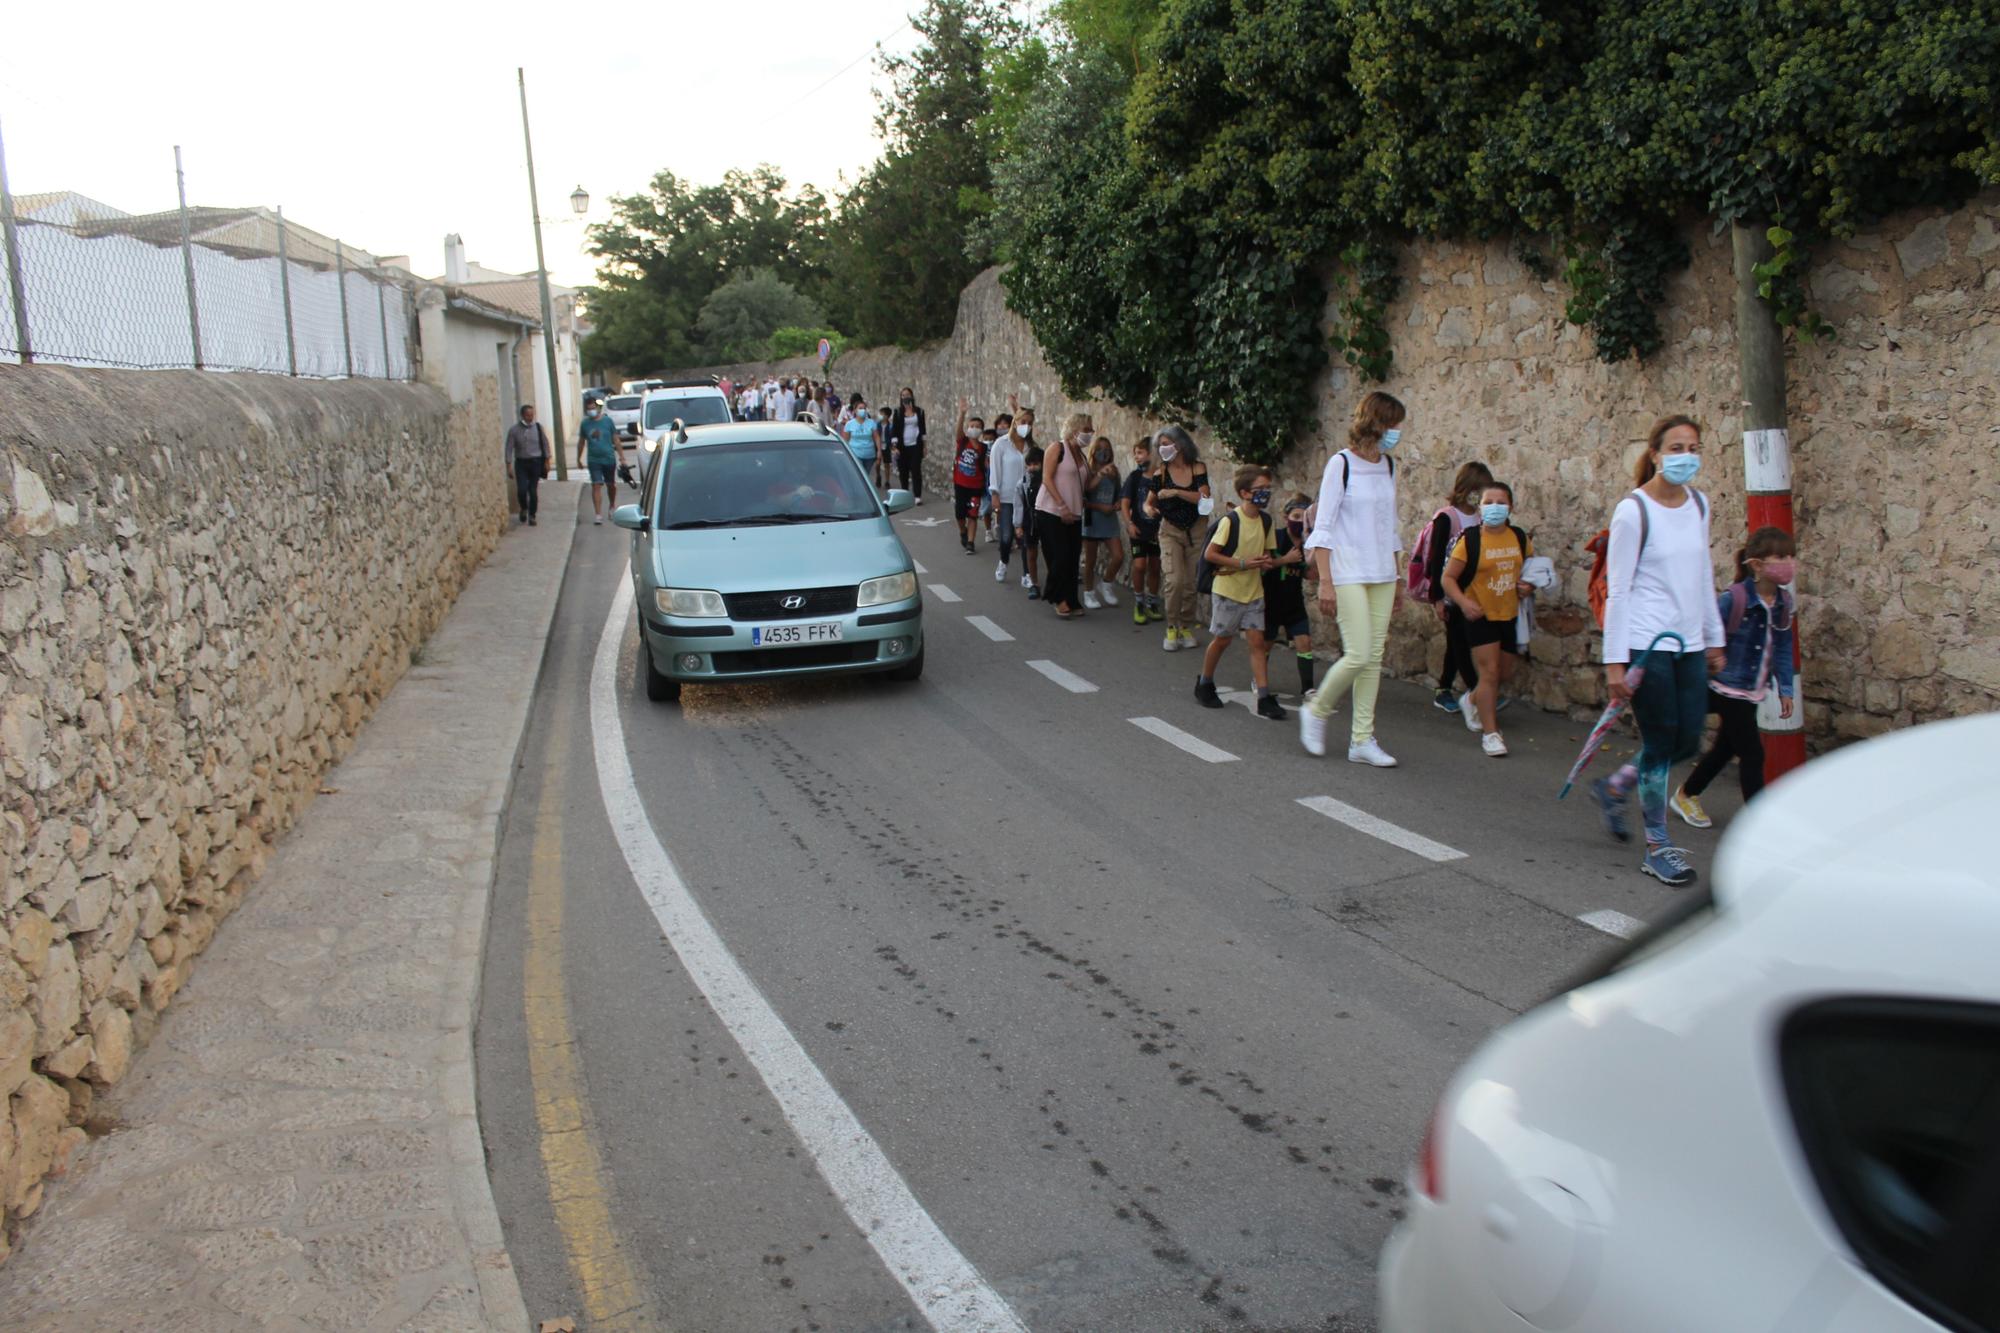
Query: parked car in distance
<point x="639" y="386"/>
<point x="690" y="402"/>
<point x="625" y="410"/>
<point x="1776" y="1109"/>
<point x="759" y="551"/>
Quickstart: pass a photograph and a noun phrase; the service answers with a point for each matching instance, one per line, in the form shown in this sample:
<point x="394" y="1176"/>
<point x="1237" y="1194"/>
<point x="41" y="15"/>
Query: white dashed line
<point x="1613" y="923"/>
<point x="1069" y="680"/>
<point x="1174" y="736"/>
<point x="989" y="629"/>
<point x="918" y="565"/>
<point x="1393" y="834"/>
<point x="949" y="1292"/>
<point x="942" y="593"/>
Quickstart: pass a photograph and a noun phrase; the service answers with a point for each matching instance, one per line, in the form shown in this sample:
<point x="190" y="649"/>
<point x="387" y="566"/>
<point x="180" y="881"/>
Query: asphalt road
<point x="1149" y="1041"/>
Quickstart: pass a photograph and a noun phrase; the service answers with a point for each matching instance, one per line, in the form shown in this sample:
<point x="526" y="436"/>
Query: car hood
<point x="802" y="555"/>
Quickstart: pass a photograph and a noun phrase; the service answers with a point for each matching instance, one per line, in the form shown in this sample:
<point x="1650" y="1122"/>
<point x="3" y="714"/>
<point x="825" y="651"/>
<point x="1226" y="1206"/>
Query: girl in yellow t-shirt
<point x="1482" y="579"/>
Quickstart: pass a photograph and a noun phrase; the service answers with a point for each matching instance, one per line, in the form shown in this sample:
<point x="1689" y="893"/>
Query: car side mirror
<point x="898" y="500"/>
<point x="629" y="516"/>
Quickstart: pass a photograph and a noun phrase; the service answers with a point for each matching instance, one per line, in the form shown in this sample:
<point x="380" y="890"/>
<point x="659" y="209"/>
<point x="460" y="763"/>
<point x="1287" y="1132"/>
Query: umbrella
<point x="1614" y="711"/>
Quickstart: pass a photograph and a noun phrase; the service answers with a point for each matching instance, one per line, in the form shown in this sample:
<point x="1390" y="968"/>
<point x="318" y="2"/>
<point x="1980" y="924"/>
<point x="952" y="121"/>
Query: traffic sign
<point x="825" y="350"/>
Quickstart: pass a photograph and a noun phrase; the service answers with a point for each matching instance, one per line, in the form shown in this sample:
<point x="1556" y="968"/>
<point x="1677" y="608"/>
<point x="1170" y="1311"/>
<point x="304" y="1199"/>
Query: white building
<point x="520" y="293"/>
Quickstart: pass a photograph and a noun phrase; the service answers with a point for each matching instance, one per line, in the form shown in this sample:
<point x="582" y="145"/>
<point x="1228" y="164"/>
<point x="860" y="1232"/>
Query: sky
<point x="389" y="125"/>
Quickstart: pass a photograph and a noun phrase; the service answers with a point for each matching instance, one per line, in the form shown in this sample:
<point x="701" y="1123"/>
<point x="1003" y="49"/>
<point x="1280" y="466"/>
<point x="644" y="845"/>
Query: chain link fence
<point x="195" y="288"/>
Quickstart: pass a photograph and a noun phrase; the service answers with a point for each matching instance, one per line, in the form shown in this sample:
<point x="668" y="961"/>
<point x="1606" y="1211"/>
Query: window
<point x="760" y="483"/>
<point x="1897" y="1104"/>
<point x="628" y="403"/>
<point x="704" y="410"/>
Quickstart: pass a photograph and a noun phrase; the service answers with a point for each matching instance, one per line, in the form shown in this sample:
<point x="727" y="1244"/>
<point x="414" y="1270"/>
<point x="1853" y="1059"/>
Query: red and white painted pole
<point x="1767" y="476"/>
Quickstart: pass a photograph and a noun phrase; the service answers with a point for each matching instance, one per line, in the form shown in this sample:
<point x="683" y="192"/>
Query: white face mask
<point x="1166" y="453"/>
<point x="1023" y="429"/>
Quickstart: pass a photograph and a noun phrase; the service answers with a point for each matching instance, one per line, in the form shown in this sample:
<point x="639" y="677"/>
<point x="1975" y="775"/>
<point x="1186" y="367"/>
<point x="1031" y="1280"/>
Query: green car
<point x="760" y="551"/>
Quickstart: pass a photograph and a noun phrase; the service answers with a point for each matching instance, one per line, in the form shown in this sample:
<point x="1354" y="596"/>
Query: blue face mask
<point x="1261" y="496"/>
<point x="1390" y="438"/>
<point x="1494" y="515"/>
<point x="1680" y="468"/>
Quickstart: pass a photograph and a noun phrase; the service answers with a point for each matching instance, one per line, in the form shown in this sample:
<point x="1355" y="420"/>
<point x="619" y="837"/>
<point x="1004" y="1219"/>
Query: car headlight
<point x="889" y="588"/>
<point x="691" y="602"/>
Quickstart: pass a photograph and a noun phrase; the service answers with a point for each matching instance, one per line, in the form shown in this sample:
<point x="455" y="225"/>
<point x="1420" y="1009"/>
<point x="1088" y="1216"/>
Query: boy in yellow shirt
<point x="1482" y="578"/>
<point x="1240" y="550"/>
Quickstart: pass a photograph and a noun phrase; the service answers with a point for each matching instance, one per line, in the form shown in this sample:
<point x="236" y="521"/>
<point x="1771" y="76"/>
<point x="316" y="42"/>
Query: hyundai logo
<point x="793" y="602"/>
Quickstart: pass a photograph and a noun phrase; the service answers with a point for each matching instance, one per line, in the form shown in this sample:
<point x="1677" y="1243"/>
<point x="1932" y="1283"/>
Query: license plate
<point x="794" y="636"/>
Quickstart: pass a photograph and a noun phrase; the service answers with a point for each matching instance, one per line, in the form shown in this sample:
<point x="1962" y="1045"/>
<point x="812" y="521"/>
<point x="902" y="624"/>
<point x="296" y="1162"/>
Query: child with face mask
<point x="1285" y="591"/>
<point x="1101" y="542"/>
<point x="1761" y="652"/>
<point x="1482" y="581"/>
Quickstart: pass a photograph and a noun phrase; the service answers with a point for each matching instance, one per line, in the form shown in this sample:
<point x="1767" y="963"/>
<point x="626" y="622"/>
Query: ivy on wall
<point x="1199" y="228"/>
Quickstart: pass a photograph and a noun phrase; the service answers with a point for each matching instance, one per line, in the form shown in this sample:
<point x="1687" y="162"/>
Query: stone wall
<point x="207" y="583"/>
<point x="1896" y="444"/>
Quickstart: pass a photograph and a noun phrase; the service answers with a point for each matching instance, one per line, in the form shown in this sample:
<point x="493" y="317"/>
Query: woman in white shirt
<point x="1660" y="577"/>
<point x="1355" y="550"/>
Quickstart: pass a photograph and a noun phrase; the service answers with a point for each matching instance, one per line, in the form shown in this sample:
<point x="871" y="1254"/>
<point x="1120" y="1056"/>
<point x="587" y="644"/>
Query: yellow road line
<point x="579" y="1192"/>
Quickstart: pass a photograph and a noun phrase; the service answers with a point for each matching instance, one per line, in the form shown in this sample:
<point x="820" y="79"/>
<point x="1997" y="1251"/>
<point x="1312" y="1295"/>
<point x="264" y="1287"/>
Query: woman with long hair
<point x="1060" y="515"/>
<point x="907" y="436"/>
<point x="1660" y="580"/>
<point x="1178" y="496"/>
<point x="1354" y="549"/>
<point x="1101" y="542"/>
<point x="863" y="434"/>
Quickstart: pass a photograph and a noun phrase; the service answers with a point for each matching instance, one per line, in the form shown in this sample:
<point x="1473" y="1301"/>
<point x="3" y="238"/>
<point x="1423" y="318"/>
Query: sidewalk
<point x="298" y="1147"/>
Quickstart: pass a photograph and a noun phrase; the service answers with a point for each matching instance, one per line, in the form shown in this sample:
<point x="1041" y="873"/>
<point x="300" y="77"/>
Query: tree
<point x="739" y="317"/>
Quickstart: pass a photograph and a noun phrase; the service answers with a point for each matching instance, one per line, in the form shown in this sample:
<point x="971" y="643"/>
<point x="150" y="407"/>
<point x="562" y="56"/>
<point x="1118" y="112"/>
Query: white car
<point x="624" y="409"/>
<point x="690" y="402"/>
<point x="1777" y="1111"/>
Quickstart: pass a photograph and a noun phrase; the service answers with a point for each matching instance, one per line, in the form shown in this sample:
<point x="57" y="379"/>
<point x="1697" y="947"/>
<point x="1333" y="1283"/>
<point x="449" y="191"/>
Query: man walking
<point x="598" y="448"/>
<point x="528" y="461"/>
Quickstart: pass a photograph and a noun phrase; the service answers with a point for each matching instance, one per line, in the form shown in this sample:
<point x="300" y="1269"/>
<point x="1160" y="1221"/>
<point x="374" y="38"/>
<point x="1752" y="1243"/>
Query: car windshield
<point x="768" y="482"/>
<point x="704" y="410"/>
<point x="629" y="404"/>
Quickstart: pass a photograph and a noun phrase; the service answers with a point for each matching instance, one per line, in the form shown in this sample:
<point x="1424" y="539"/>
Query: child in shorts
<point x="1240" y="553"/>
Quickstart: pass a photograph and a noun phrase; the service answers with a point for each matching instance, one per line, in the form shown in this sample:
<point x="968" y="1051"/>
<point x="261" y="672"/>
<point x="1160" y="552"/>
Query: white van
<point x="691" y="402"/>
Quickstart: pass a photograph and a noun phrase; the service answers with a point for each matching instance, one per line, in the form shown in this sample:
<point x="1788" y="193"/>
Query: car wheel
<point x="660" y="689"/>
<point x="911" y="669"/>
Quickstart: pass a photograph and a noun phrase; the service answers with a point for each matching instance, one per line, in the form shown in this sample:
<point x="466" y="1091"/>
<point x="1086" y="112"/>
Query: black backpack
<point x="1471" y="539"/>
<point x="1204" y="573"/>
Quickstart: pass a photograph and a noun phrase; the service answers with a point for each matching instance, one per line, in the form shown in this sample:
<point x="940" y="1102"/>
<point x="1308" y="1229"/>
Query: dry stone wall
<point x="1895" y="429"/>
<point x="207" y="583"/>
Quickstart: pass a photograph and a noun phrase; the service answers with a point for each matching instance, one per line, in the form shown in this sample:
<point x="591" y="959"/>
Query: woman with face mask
<point x="1021" y="421"/>
<point x="1101" y="542"/>
<point x="1660" y="580"/>
<point x="906" y="433"/>
<point x="1059" y="515"/>
<point x="1178" y="497"/>
<point x="1356" y="552"/>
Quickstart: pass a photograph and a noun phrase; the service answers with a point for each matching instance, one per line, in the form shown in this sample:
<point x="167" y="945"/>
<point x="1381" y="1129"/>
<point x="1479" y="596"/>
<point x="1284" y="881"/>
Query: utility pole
<point x="1767" y="461"/>
<point x="560" y="443"/>
<point x="17" y="292"/>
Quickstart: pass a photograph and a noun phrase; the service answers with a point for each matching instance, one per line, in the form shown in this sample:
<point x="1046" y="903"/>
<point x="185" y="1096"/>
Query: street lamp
<point x="579" y="201"/>
<point x="542" y="276"/>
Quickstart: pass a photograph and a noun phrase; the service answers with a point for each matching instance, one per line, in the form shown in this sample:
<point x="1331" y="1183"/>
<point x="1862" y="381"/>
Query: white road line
<point x="942" y="593"/>
<point x="945" y="1286"/>
<point x="1174" y="736"/>
<point x="918" y="565"/>
<point x="1613" y="923"/>
<point x="989" y="629"/>
<point x="1394" y="834"/>
<point x="1069" y="680"/>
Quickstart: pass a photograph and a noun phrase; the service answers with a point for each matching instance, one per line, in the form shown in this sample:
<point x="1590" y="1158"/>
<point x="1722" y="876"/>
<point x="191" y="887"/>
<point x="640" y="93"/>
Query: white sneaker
<point x="1027" y="582"/>
<point x="1090" y="602"/>
<point x="1110" y="597"/>
<point x="1000" y="572"/>
<point x="1170" y="644"/>
<point x="1370" y="752"/>
<point x="597" y="520"/>
<point x="1312" y="733"/>
<point x="920" y="499"/>
<point x="1493" y="745"/>
<point x="1470" y="711"/>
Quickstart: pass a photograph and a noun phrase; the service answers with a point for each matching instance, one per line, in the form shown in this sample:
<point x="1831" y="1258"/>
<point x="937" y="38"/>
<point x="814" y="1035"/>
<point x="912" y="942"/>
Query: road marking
<point x="925" y="522"/>
<point x="1069" y="680"/>
<point x="1394" y="834"/>
<point x="572" y="1164"/>
<point x="942" y="1282"/>
<point x="942" y="593"/>
<point x="918" y="565"/>
<point x="1174" y="736"/>
<point x="989" y="629"/>
<point x="1613" y="923"/>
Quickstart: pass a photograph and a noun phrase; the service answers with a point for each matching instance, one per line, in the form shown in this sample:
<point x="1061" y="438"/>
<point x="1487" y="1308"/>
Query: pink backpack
<point x="1417" y="578"/>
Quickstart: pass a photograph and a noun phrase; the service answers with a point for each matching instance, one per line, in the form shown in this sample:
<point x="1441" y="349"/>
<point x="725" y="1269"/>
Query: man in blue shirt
<point x="598" y="443"/>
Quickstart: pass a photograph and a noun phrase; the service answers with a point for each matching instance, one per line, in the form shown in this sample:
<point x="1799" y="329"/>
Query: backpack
<point x="1471" y="535"/>
<point x="1420" y="578"/>
<point x="1204" y="573"/>
<point x="1600" y="548"/>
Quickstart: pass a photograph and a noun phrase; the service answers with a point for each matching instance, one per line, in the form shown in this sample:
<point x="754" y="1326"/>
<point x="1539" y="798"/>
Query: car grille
<point x="770" y="605"/>
<point x="786" y="659"/>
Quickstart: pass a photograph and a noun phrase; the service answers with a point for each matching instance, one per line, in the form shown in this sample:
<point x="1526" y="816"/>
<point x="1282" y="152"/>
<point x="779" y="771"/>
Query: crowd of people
<point x="1160" y="525"/>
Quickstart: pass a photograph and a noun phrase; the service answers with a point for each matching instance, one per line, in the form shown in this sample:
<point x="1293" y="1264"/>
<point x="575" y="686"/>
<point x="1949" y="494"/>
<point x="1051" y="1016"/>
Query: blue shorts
<point x="604" y="474"/>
